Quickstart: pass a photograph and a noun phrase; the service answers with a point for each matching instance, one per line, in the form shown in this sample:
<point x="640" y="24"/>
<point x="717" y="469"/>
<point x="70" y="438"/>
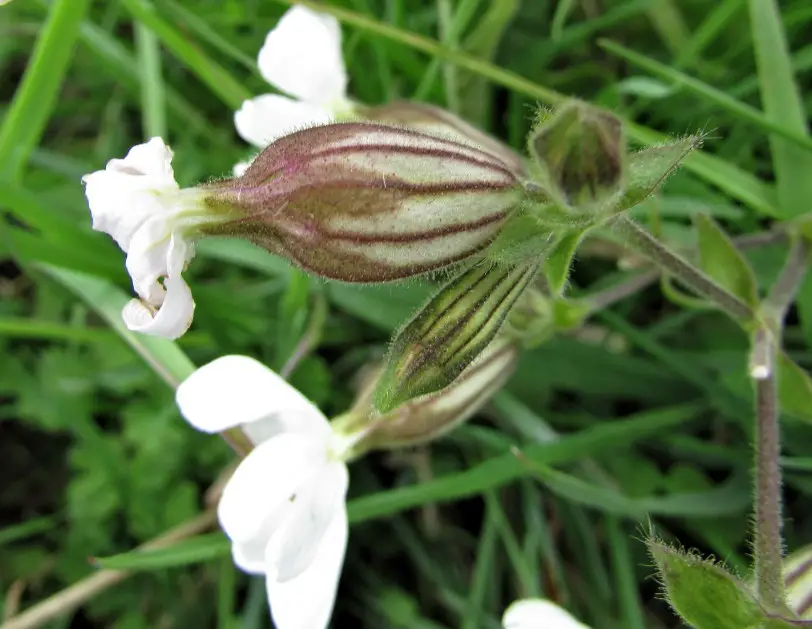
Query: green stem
<point x="782" y="293"/>
<point x="671" y="262"/>
<point x="609" y="296"/>
<point x="768" y="545"/>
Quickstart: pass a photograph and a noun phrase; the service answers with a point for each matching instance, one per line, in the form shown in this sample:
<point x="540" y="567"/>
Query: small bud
<point x="450" y="332"/>
<point x="581" y="151"/>
<point x="360" y="202"/>
<point x="430" y="416"/>
<point x="442" y="123"/>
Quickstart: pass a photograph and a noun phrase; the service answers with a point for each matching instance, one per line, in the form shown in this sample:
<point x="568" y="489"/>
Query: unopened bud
<point x="362" y="202"/>
<point x="430" y="416"/>
<point x="450" y="332"/>
<point x="581" y="151"/>
<point x="437" y="121"/>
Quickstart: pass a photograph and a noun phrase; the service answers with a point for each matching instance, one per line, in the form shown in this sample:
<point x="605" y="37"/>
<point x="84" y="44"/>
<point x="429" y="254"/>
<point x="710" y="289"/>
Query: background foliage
<point x="643" y="415"/>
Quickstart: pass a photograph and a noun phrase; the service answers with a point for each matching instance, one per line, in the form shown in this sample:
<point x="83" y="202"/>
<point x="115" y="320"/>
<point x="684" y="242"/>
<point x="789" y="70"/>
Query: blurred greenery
<point x="644" y="414"/>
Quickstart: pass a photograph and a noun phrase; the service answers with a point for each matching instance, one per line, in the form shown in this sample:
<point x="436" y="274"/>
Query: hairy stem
<point x="671" y="262"/>
<point x="603" y="299"/>
<point x="768" y="545"/>
<point x="782" y="293"/>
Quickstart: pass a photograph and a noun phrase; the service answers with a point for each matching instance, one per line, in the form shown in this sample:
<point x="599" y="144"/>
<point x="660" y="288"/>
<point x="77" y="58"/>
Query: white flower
<point x="536" y="613"/>
<point x="302" y="57"/>
<point x="284" y="508"/>
<point x="138" y="202"/>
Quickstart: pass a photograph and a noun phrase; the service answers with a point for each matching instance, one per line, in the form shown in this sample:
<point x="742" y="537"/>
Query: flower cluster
<point x="360" y="194"/>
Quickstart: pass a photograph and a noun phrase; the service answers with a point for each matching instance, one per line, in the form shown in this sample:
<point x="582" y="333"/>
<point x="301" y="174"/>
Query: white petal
<point x="132" y="190"/>
<point x="171" y="320"/>
<point x="152" y="159"/>
<point x="294" y="548"/>
<point x="302" y="56"/>
<point x="263" y="119"/>
<point x="306" y="602"/>
<point x="148" y="258"/>
<point x="234" y="390"/>
<point x="538" y="614"/>
<point x="261" y="493"/>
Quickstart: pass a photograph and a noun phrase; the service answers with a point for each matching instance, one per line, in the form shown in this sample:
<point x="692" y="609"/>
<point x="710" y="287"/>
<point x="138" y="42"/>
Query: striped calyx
<point x="429" y="416"/>
<point x="437" y="121"/>
<point x="362" y="202"/>
<point x="451" y="331"/>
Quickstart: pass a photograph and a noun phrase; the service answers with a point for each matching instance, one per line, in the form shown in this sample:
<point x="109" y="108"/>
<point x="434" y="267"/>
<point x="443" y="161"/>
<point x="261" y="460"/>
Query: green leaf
<point x="704" y="594"/>
<point x="649" y="168"/>
<point x="794" y="388"/>
<point x="35" y="98"/>
<point x="196" y="550"/>
<point x="719" y="258"/>
<point x="782" y="103"/>
<point x="558" y="262"/>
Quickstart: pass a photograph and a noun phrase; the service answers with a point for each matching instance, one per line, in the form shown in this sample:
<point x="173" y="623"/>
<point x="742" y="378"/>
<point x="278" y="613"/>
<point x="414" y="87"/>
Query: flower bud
<point x="360" y="202"/>
<point x="427" y="417"/>
<point x="437" y="121"/>
<point x="450" y="332"/>
<point x="581" y="151"/>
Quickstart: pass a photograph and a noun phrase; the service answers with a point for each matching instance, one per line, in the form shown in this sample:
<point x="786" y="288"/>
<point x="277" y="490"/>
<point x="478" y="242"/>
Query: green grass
<point x="642" y="416"/>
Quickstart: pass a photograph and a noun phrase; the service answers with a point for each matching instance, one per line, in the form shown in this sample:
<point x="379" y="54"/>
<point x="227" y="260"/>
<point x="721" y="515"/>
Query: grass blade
<point x="782" y="102"/>
<point x="217" y="79"/>
<point x="711" y="94"/>
<point x="37" y="94"/>
<point x="500" y="470"/>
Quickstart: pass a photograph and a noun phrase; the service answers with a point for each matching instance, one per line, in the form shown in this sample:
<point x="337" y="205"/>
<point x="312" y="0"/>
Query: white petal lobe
<point x="315" y="508"/>
<point x="258" y="498"/>
<point x="538" y="614"/>
<point x="130" y="191"/>
<point x="234" y="390"/>
<point x="171" y="320"/>
<point x="302" y="56"/>
<point x="263" y="119"/>
<point x="306" y="602"/>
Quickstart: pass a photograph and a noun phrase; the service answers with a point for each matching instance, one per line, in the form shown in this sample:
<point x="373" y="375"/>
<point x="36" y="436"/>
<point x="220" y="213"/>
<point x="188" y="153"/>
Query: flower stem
<point x="671" y="262"/>
<point x="782" y="293"/>
<point x="609" y="296"/>
<point x="768" y="544"/>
